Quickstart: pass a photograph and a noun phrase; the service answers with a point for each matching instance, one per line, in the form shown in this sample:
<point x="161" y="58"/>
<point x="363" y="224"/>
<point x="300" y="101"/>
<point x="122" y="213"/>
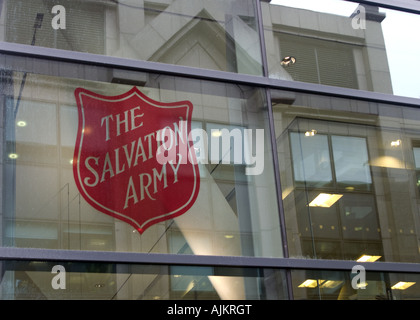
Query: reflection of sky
<point x="401" y="40"/>
<point x="403" y="49"/>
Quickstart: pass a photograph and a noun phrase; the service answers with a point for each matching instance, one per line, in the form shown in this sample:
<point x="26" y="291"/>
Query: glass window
<point x="39" y="280"/>
<point x="416" y="153"/>
<point x="205" y="34"/>
<point x="52" y="280"/>
<point x="349" y="177"/>
<point x="343" y="44"/>
<point x="311" y="160"/>
<point x="349" y="285"/>
<point x="351" y="160"/>
<point x="90" y="164"/>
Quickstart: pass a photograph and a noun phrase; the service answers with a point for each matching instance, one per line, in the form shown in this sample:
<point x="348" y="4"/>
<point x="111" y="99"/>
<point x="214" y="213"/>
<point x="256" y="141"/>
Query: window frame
<point x="263" y="82"/>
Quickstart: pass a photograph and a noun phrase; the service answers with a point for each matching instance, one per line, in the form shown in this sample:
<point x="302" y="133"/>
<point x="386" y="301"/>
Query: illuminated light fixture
<point x="395" y="143"/>
<point x="71" y="161"/>
<point x="287" y="61"/>
<point x="325" y="200"/>
<point x="361" y="285"/>
<point x="229" y="236"/>
<point x="21" y="123"/>
<point x="326" y="284"/>
<point x="13" y="156"/>
<point x="310" y="283"/>
<point x="368" y="258"/>
<point x="402" y="285"/>
<point x="331" y="284"/>
<point x="310" y="133"/>
<point x="216" y="133"/>
<point x="388" y="162"/>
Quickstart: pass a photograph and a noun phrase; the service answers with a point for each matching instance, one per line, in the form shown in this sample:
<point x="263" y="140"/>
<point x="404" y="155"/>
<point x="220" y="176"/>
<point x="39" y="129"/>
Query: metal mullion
<point x="272" y="130"/>
<point x="281" y="211"/>
<point x="83" y="58"/>
<point x="273" y="143"/>
<point x="31" y="254"/>
<point x="58" y="55"/>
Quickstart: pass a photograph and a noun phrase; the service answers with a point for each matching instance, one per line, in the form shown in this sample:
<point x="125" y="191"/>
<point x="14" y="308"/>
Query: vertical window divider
<point x="273" y="142"/>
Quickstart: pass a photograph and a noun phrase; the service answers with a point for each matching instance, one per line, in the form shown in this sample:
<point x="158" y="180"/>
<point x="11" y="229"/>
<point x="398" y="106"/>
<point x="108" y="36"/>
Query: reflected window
<point x="351" y="161"/>
<point x="318" y="159"/>
<point x="311" y="158"/>
<point x="343" y="44"/>
<point x="416" y="153"/>
<point x="31" y="23"/>
<point x="335" y="209"/>
<point x="366" y="203"/>
<point x="204" y="34"/>
<point x="319" y="61"/>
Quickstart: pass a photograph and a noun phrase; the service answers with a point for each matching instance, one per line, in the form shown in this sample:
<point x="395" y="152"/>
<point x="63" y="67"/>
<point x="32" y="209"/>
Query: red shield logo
<point x="133" y="159"/>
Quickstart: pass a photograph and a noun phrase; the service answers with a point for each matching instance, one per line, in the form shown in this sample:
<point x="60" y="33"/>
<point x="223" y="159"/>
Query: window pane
<point x="205" y="34"/>
<point x="347" y="285"/>
<point x="38" y="280"/>
<point x="88" y="165"/>
<point x="343" y="44"/>
<point x="311" y="159"/>
<point x="369" y="207"/>
<point x="416" y="152"/>
<point x="351" y="161"/>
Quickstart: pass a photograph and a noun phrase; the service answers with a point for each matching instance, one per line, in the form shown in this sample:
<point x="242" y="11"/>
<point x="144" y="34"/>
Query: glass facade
<point x="139" y="282"/>
<point x="233" y="150"/>
<point x="218" y="35"/>
<point x="49" y="211"/>
<point x="343" y="44"/>
<point x="337" y="285"/>
<point x="348" y="173"/>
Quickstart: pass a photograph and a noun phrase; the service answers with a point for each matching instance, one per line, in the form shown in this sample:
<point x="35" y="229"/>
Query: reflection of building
<point x="206" y="34"/>
<point x="252" y="244"/>
<point x="327" y="48"/>
<point x="369" y="166"/>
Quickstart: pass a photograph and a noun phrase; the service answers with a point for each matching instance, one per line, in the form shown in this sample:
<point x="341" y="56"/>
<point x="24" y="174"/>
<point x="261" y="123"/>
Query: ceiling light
<point x="216" y="133"/>
<point x="310" y="133"/>
<point x="362" y="285"/>
<point x="287" y="61"/>
<point x="310" y="283"/>
<point x="229" y="236"/>
<point x="402" y="285"/>
<point x="325" y="200"/>
<point x="13" y="156"/>
<point x="331" y="284"/>
<point x="368" y="258"/>
<point x="395" y="143"/>
<point x="21" y="123"/>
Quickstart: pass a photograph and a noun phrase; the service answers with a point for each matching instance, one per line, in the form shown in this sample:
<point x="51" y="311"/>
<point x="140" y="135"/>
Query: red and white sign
<point x="117" y="164"/>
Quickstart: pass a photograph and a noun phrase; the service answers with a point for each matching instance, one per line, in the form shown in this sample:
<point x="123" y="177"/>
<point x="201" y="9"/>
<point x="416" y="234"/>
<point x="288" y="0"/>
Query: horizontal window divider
<point x="55" y="255"/>
<point x="14" y="49"/>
